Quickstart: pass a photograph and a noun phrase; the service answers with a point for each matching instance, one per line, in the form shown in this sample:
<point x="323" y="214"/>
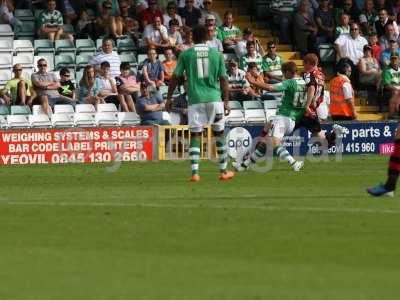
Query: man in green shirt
<point x="290" y="111"/>
<point x="204" y="69"/>
<point x="228" y="33"/>
<point x="51" y="22"/>
<point x="391" y="83"/>
<point x="272" y="64"/>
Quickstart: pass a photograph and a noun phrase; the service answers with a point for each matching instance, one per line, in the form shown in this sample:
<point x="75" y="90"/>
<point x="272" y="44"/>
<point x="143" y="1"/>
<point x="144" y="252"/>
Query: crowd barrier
<point x="147" y="143"/>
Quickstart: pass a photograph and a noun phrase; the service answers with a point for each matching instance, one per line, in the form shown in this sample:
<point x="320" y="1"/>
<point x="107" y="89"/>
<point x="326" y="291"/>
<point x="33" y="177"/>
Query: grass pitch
<point x="143" y="232"/>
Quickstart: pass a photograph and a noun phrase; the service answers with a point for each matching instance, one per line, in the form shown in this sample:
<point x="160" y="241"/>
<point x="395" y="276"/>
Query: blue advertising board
<point x="360" y="138"/>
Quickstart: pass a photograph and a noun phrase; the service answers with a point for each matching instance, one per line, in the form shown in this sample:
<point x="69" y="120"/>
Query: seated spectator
<point x="107" y="24"/>
<point x="257" y="83"/>
<point x="212" y="40"/>
<point x="344" y="25"/>
<point x="89" y="87"/>
<point x="126" y="20"/>
<point x="187" y="41"/>
<point x="46" y="86"/>
<point x="155" y="35"/>
<point x="196" y="3"/>
<point x="272" y="64"/>
<point x="114" y="10"/>
<point x="107" y="85"/>
<point x="386" y="5"/>
<point x="390" y="34"/>
<point x="67" y="88"/>
<point x="228" y="33"/>
<point x="87" y="26"/>
<point x="171" y="14"/>
<point x="7" y="14"/>
<point x="147" y="16"/>
<point x="70" y="9"/>
<point x="153" y="70"/>
<point x="391" y="85"/>
<point x="383" y="20"/>
<point x="368" y="67"/>
<point x="368" y="17"/>
<point x="376" y="48"/>
<point x="240" y="48"/>
<point x="169" y="64"/>
<point x="239" y="87"/>
<point x="325" y="22"/>
<point x="385" y="56"/>
<point x="305" y="29"/>
<point x="190" y="14"/>
<point x="251" y="56"/>
<point x="341" y="106"/>
<point x="396" y="10"/>
<point x="20" y="89"/>
<point x="175" y="37"/>
<point x="348" y="8"/>
<point x="50" y="22"/>
<point x="351" y="45"/>
<point x="150" y="106"/>
<point x="206" y="11"/>
<point x="127" y="87"/>
<point x="107" y="54"/>
<point x="282" y="16"/>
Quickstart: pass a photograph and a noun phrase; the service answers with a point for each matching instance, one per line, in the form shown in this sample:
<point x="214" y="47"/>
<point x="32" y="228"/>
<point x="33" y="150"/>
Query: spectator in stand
<point x="169" y="64"/>
<point x="125" y="19"/>
<point x="188" y="40"/>
<point x="7" y="14"/>
<point x="325" y="22"/>
<point x="127" y="87"/>
<point x="390" y="34"/>
<point x="206" y="11"/>
<point x="20" y="89"/>
<point x="396" y="10"/>
<point x="272" y="64"/>
<point x="386" y="54"/>
<point x="107" y="85"/>
<point x="212" y="40"/>
<point x="46" y="87"/>
<point x="391" y="85"/>
<point x="349" y="8"/>
<point x="239" y="87"/>
<point x="51" y="22"/>
<point x="240" y="48"/>
<point x="87" y="26"/>
<point x="171" y="15"/>
<point x="114" y="10"/>
<point x="380" y="24"/>
<point x="190" y="14"/>
<point x="368" y="67"/>
<point x="351" y="45"/>
<point x="305" y="29"/>
<point x="107" y="24"/>
<point x="251" y="56"/>
<point x="386" y="5"/>
<point x="228" y="33"/>
<point x="150" y="106"/>
<point x="341" y="105"/>
<point x="376" y="48"/>
<point x="155" y="35"/>
<point x="368" y="17"/>
<point x="89" y="87"/>
<point x="197" y="3"/>
<point x="174" y="35"/>
<point x="148" y="15"/>
<point x="107" y="54"/>
<point x="257" y="83"/>
<point x="67" y="88"/>
<point x="70" y="9"/>
<point x="153" y="70"/>
<point x="282" y="12"/>
<point x="344" y="26"/>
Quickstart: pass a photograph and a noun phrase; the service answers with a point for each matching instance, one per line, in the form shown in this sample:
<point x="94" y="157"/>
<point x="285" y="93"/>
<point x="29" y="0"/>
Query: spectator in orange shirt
<point x="257" y="83"/>
<point x="169" y="64"/>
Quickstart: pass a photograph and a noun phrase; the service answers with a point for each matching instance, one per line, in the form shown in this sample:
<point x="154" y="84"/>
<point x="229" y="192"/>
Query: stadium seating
<point x="6" y="46"/>
<point x="106" y="119"/>
<point x="82" y="60"/>
<point x="4" y="110"/>
<point x="6" y="61"/>
<point x="106" y="107"/>
<point x="66" y="60"/>
<point x="3" y="122"/>
<point x="6" y="32"/>
<point x="254" y="115"/>
<point x="235" y="117"/>
<point x="85" y="108"/>
<point x="24" y="15"/>
<point x="37" y="110"/>
<point x="5" y="75"/>
<point x="20" y="110"/>
<point x="128" y="119"/>
<point x="126" y="45"/>
<point x="62" y="121"/>
<point x="27" y="31"/>
<point x="26" y="61"/>
<point x="84" y="120"/>
<point x="39" y="121"/>
<point x="18" y="121"/>
<point x="252" y="105"/>
<point x="24" y="47"/>
<point x="42" y="46"/>
<point x="85" y="46"/>
<point x="62" y="46"/>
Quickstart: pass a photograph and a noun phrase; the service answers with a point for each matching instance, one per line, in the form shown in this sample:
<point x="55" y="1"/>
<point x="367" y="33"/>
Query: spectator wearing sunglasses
<point x="18" y="88"/>
<point x="67" y="88"/>
<point x="207" y="10"/>
<point x="351" y="45"/>
<point x="272" y="64"/>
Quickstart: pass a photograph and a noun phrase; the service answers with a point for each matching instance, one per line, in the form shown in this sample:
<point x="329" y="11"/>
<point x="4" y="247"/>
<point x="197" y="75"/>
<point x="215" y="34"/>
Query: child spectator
<point x="175" y="37"/>
<point x="89" y="87"/>
<point x="153" y="70"/>
<point x="257" y="82"/>
<point x="344" y="26"/>
<point x="240" y="48"/>
<point x="67" y="88"/>
<point x="128" y="88"/>
<point x="169" y="64"/>
<point x="239" y="87"/>
<point x="107" y="85"/>
<point x="376" y="48"/>
<point x="188" y="40"/>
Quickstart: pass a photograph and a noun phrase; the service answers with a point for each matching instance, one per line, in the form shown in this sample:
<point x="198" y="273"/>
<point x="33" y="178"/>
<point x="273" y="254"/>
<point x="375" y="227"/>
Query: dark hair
<point x="105" y="64"/>
<point x="289" y="66"/>
<point x="64" y="71"/>
<point x="199" y="34"/>
<point x="251" y="65"/>
<point x="270" y="43"/>
<point x="250" y="43"/>
<point x="342" y="64"/>
<point x="228" y="12"/>
<point x="125" y="66"/>
<point x="173" y="22"/>
<point x="106" y="39"/>
<point x="247" y="31"/>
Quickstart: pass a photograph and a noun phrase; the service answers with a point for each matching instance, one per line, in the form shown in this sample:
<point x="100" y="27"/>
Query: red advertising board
<point x="77" y="145"/>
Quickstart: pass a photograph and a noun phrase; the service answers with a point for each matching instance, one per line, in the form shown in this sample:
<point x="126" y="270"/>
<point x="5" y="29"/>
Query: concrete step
<point x="370" y="117"/>
<point x="367" y="108"/>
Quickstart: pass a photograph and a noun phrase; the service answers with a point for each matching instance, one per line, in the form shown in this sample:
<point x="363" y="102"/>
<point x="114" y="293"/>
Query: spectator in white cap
<point x="206" y="11"/>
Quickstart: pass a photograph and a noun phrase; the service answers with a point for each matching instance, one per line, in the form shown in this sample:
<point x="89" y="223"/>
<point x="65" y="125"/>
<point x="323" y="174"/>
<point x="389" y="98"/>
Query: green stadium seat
<point x="66" y="60"/>
<point x="42" y="46"/>
<point x="82" y="60"/>
<point x="62" y="46"/>
<point x="235" y="105"/>
<point x="128" y="57"/>
<point x="85" y="46"/>
<point x="24" y="15"/>
<point x="20" y="110"/>
<point x="68" y="28"/>
<point x="253" y="105"/>
<point x="126" y="45"/>
<point x="4" y="110"/>
<point x="27" y="30"/>
<point x="37" y="13"/>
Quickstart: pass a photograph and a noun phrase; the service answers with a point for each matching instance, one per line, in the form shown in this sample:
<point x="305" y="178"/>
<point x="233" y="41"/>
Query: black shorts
<point x="311" y="124"/>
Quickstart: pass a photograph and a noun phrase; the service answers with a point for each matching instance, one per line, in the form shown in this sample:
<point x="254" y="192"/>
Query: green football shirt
<point x="225" y="32"/>
<point x="245" y="60"/>
<point x="272" y="65"/>
<point x="203" y="66"/>
<point x="294" y="98"/>
<point x="391" y="76"/>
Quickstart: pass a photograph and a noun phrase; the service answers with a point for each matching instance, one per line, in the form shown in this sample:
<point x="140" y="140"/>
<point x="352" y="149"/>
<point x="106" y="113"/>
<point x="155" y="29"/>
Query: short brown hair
<point x="289" y="66"/>
<point x="311" y="59"/>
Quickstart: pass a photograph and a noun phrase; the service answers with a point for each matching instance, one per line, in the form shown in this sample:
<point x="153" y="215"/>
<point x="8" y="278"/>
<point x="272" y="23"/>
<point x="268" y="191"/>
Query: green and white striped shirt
<point x="50" y="18"/>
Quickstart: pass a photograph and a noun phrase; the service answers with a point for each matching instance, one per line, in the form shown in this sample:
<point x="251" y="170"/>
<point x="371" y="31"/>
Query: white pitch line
<point x="202" y="205"/>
